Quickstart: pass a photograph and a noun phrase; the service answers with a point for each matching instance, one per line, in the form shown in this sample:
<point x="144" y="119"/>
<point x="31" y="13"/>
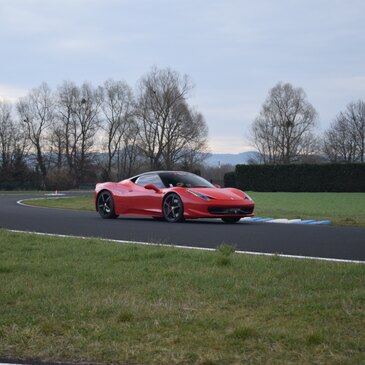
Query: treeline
<point x="292" y="157"/>
<point x="79" y="134"/>
<point x="284" y="132"/>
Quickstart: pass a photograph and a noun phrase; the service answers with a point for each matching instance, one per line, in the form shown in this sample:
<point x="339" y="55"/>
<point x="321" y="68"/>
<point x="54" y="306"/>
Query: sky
<point x="234" y="51"/>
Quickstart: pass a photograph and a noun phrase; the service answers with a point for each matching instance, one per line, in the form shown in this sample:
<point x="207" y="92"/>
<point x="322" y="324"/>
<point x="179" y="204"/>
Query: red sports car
<point x="172" y="195"/>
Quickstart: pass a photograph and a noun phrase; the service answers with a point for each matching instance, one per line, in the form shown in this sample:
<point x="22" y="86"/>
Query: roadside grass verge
<point x="343" y="209"/>
<point x="82" y="202"/>
<point x="83" y="300"/>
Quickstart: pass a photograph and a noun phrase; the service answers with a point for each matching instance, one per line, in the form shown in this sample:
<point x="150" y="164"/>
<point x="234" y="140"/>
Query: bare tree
<point x="86" y="109"/>
<point x="57" y="145"/>
<point x="6" y="133"/>
<point x="338" y="144"/>
<point x="78" y="111"/>
<point x="282" y="132"/>
<point x="117" y="109"/>
<point x="37" y="112"/>
<point x="186" y="141"/>
<point x="344" y="141"/>
<point x="66" y="95"/>
<point x="12" y="137"/>
<point x="168" y="127"/>
<point x="354" y="115"/>
<point x="130" y="158"/>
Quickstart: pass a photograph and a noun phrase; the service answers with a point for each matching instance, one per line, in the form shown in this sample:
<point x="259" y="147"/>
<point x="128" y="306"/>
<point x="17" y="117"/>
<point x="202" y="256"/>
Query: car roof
<point x="158" y="172"/>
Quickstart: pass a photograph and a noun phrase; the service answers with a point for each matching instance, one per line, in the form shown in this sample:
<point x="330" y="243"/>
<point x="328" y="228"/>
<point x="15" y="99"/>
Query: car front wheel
<point x="173" y="210"/>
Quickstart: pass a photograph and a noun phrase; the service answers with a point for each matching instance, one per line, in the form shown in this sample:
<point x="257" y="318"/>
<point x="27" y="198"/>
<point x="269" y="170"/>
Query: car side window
<point x="150" y="179"/>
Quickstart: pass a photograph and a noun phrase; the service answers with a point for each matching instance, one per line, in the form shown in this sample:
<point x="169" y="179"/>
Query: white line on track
<point x="21" y="202"/>
<point x="193" y="248"/>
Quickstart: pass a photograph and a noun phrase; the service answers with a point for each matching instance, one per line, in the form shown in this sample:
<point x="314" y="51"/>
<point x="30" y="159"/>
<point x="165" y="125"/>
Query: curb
<point x="285" y="220"/>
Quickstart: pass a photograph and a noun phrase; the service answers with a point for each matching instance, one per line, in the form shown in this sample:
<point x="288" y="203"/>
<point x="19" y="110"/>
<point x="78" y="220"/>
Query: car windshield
<point x="184" y="179"/>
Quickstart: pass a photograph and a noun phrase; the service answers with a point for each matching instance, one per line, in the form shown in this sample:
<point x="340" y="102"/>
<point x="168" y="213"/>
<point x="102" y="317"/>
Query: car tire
<point x="173" y="209"/>
<point x="231" y="219"/>
<point x="105" y="205"/>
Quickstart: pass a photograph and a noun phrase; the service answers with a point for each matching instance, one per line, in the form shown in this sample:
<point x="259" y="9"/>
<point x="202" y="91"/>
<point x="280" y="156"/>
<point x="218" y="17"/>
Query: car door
<point x="146" y="201"/>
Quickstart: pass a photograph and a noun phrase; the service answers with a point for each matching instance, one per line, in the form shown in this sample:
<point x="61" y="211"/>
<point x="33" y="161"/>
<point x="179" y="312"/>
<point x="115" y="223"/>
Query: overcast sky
<point x="233" y="50"/>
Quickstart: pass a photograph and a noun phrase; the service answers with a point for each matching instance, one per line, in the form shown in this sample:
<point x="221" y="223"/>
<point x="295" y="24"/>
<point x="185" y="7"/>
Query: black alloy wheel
<point x="173" y="210"/>
<point x="105" y="205"/>
<point x="231" y="219"/>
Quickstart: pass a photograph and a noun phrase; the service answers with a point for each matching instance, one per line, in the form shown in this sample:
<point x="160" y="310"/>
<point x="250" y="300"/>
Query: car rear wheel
<point x="173" y="210"/>
<point x="105" y="205"/>
<point x="231" y="219"/>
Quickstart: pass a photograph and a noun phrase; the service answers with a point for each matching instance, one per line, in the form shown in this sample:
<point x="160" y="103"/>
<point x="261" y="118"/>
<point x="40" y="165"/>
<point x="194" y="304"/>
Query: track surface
<point x="301" y="240"/>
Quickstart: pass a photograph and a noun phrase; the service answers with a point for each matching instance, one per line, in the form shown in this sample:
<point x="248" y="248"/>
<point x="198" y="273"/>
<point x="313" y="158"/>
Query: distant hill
<point x="230" y="158"/>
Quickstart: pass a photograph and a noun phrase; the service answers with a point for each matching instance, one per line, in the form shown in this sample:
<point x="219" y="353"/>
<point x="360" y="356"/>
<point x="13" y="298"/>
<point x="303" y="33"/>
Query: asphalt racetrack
<point x="344" y="243"/>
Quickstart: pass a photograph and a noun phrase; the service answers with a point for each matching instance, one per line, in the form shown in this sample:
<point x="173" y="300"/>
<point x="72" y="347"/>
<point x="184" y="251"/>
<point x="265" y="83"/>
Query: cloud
<point x="26" y="19"/>
<point x="352" y="83"/>
<point x="11" y="93"/>
<point x="76" y="45"/>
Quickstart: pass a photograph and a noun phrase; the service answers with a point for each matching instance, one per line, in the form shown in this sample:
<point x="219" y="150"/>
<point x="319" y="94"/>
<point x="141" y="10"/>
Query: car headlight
<point x="199" y="195"/>
<point x="248" y="197"/>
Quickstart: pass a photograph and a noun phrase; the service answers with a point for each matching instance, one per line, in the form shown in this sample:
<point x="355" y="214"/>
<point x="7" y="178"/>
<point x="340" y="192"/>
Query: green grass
<point x="341" y="208"/>
<point x="64" y="299"/>
<point x="83" y="202"/>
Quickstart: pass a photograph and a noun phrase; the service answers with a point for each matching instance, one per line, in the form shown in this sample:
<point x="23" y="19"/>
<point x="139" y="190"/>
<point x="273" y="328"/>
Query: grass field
<point x="83" y="202"/>
<point x="87" y="301"/>
<point x="341" y="208"/>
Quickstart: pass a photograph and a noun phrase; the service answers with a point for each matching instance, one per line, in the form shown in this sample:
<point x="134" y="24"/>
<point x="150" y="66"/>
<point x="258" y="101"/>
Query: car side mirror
<point x="217" y="186"/>
<point x="152" y="187"/>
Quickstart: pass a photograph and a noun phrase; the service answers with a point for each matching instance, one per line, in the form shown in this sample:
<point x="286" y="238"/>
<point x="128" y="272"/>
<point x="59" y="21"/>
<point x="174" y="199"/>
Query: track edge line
<point x="253" y="253"/>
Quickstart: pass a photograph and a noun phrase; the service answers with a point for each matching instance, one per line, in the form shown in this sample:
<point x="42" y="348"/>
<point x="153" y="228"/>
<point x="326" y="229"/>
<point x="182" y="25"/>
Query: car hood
<point x="220" y="194"/>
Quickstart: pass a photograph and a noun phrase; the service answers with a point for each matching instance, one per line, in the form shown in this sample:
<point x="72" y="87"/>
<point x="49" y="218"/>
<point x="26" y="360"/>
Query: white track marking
<point x="193" y="248"/>
<point x="280" y="220"/>
<point x="20" y="202"/>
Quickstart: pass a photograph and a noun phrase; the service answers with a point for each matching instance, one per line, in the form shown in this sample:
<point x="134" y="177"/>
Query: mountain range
<point x="216" y="159"/>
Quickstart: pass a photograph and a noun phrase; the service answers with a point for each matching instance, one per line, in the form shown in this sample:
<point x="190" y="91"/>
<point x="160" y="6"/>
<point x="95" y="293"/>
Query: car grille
<point x="230" y="210"/>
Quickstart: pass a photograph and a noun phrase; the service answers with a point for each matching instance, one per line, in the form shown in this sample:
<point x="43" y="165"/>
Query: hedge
<point x="301" y="177"/>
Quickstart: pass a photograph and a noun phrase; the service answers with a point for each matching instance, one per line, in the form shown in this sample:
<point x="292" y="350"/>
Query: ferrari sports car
<point x="173" y="196"/>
